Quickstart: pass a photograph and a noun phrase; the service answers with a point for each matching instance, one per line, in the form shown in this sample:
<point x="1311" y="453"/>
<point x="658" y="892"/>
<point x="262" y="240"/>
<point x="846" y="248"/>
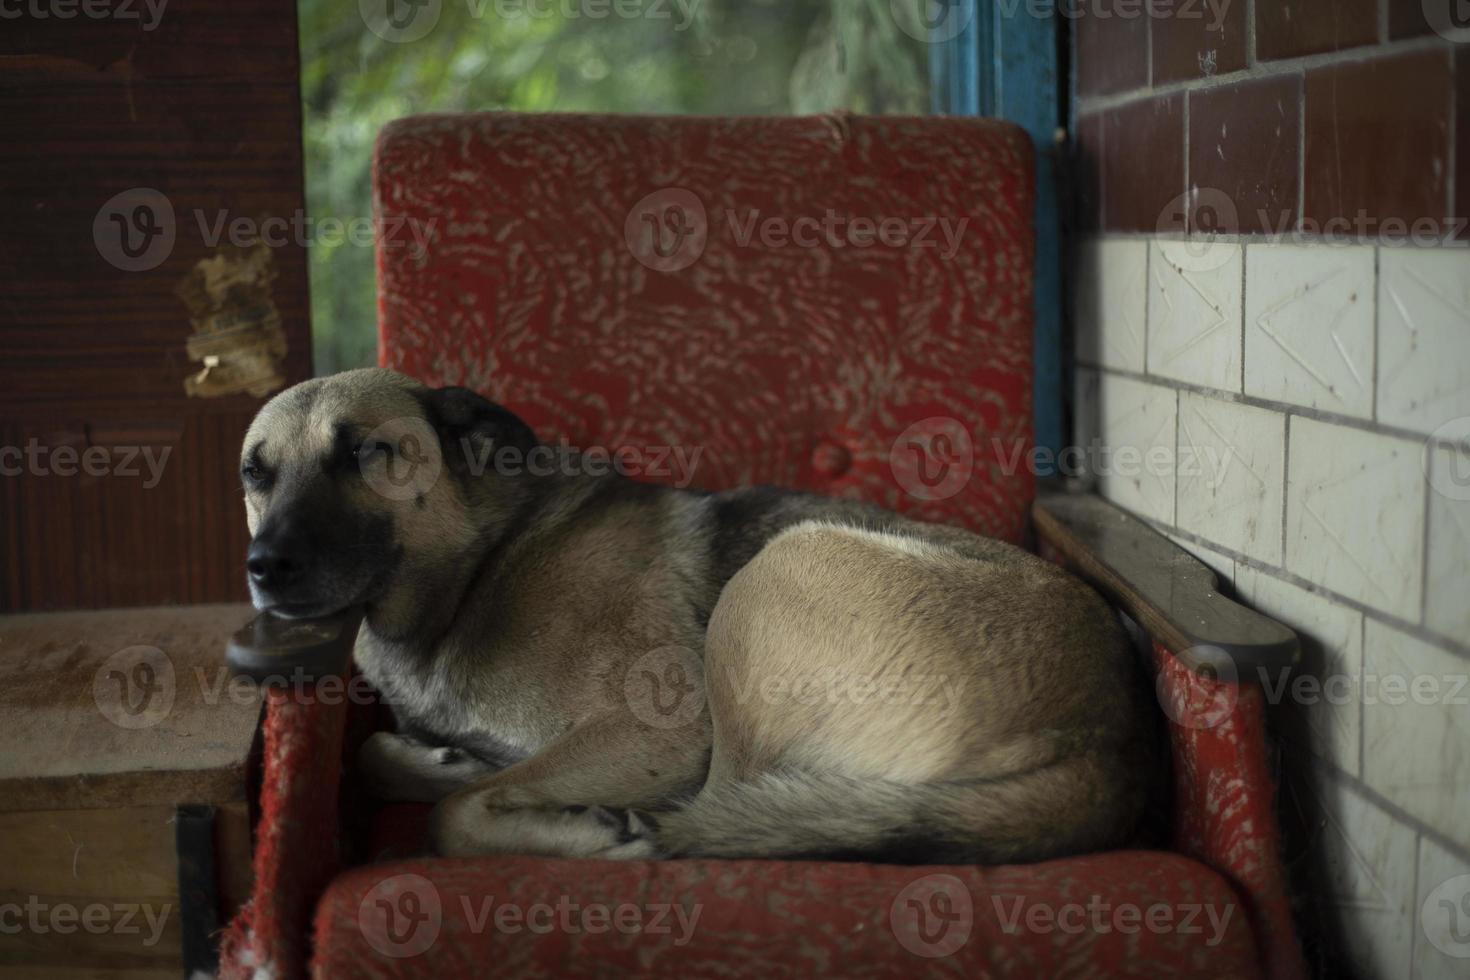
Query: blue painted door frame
<point x="1004" y="64"/>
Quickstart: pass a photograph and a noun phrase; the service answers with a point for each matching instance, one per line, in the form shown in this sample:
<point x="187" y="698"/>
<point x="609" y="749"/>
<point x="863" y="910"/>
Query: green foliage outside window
<point x="728" y="57"/>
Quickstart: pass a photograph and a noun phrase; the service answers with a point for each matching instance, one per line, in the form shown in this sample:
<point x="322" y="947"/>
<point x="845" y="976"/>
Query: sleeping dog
<point x="582" y="664"/>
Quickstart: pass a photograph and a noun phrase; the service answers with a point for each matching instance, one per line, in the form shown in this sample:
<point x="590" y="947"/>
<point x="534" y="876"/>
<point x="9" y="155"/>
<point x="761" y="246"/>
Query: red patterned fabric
<point x="1129" y="914"/>
<point x="541" y="285"/>
<point x="295" y="841"/>
<point x="1224" y="798"/>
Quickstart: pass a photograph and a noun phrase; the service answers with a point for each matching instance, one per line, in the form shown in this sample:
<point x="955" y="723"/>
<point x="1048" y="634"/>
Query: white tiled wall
<point x="1370" y="863"/>
<point x="1442" y="947"/>
<point x="1309" y="327"/>
<point x="1194" y="313"/>
<point x="1315" y="397"/>
<point x="1355" y="514"/>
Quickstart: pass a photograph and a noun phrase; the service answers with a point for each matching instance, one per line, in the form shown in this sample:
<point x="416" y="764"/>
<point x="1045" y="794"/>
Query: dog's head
<point x="362" y="482"/>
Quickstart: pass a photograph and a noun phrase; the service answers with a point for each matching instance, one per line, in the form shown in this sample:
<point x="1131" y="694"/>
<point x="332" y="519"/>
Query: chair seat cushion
<point x="1127" y="913"/>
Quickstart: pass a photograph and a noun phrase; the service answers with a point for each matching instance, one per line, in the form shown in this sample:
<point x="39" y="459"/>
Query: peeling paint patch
<point x="237" y="329"/>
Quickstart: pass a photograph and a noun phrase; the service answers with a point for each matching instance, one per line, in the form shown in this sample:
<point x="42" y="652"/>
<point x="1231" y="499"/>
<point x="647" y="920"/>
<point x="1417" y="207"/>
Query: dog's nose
<point x="270" y="566"/>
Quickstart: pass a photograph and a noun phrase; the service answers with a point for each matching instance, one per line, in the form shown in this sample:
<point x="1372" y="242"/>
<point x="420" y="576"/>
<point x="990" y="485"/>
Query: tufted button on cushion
<point x="831" y="459"/>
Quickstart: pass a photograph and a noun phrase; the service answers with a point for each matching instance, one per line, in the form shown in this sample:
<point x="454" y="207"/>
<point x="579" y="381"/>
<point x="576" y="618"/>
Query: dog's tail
<point x="793" y="813"/>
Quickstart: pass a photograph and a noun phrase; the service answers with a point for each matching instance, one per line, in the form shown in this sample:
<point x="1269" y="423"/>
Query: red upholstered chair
<point x="637" y="283"/>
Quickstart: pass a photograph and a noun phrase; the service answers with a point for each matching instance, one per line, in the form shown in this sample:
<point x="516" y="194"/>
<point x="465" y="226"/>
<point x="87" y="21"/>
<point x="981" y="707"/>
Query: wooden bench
<point x="124" y="791"/>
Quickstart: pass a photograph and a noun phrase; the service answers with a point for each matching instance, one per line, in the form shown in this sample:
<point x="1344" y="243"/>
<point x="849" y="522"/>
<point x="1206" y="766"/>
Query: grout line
<point x="1148" y="51"/>
<point x="1301" y="152"/>
<point x="1383" y="21"/>
<point x="1293" y="238"/>
<point x="1270" y="69"/>
<point x="1315" y="414"/>
<point x="1418" y="933"/>
<point x="1245" y="255"/>
<point x="1377" y="319"/>
<point x="1174" y="497"/>
<point x="1285" y="483"/>
<point x="1452" y="153"/>
<point x="1452" y="646"/>
<point x="1250" y="34"/>
<point x="1426" y="539"/>
<point x="1362" y="669"/>
<point x="1188" y="197"/>
<point x="1148" y="288"/>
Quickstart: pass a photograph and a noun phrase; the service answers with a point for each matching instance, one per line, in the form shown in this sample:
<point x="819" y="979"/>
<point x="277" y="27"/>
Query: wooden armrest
<point x="269" y="648"/>
<point x="1163" y="588"/>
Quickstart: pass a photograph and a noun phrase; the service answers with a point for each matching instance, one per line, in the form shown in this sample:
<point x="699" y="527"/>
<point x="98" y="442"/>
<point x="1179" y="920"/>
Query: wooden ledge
<point x="1167" y="591"/>
<point x="123" y="708"/>
<point x="270" y="649"/>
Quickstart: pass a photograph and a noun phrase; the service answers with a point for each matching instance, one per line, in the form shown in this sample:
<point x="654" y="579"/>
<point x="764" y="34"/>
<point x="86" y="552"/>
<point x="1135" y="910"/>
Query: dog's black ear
<point x="472" y="428"/>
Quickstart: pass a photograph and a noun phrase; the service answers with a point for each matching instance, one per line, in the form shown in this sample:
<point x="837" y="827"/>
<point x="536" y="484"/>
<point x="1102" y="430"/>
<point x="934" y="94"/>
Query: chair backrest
<point x="834" y="303"/>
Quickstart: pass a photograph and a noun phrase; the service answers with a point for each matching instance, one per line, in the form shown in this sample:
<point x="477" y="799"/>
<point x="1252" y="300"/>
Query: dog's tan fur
<point x="972" y="702"/>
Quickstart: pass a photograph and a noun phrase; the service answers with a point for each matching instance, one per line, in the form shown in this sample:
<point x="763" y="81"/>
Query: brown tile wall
<point x="1291" y="28"/>
<point x="1293" y="113"/>
<point x="1191" y="40"/>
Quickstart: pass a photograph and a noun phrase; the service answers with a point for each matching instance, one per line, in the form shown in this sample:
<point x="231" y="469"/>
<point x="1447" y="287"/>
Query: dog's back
<point x="912" y="692"/>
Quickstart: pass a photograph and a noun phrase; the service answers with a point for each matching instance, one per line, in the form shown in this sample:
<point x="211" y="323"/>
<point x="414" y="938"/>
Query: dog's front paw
<point x="402" y="769"/>
<point x="475" y="823"/>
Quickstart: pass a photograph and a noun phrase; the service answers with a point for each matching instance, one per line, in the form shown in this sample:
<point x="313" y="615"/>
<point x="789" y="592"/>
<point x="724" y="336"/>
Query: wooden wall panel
<point x="205" y="109"/>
